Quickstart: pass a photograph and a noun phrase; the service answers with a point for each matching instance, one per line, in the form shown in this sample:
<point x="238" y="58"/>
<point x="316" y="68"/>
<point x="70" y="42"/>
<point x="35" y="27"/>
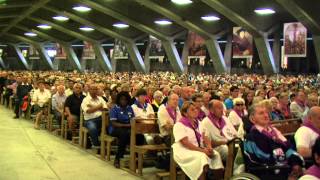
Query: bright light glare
<point x="264" y="11"/>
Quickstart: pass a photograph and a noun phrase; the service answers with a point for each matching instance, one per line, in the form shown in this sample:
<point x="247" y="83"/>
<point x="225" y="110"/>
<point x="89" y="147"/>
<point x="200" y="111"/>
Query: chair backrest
<point x="144" y="126"/>
<point x="81" y="118"/>
<point x="105" y="122"/>
<point x="287" y="127"/>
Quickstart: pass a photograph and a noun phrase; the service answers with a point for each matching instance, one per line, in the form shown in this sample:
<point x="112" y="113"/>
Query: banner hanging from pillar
<point x="242" y="43"/>
<point x="61" y="54"/>
<point x="196" y="48"/>
<point x="295" y="40"/>
<point x="156" y="49"/>
<point x="33" y="53"/>
<point x="120" y="50"/>
<point x="88" y="51"/>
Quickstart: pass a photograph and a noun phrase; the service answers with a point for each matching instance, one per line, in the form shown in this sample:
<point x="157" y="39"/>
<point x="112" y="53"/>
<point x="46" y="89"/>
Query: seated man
<point x="72" y="107"/>
<point x="92" y="107"/>
<point x="40" y="99"/>
<point x="266" y="145"/>
<point x="307" y="134"/>
<point x="168" y="115"/>
<point x="313" y="173"/>
<point x="58" y="101"/>
<point x="218" y="128"/>
<point x="298" y="106"/>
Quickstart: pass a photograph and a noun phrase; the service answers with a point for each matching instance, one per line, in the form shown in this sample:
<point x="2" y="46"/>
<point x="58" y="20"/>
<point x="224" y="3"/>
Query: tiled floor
<point x="29" y="154"/>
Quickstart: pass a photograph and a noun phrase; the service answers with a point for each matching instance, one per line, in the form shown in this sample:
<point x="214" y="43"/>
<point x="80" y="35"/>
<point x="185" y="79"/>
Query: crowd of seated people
<point x="204" y="112"/>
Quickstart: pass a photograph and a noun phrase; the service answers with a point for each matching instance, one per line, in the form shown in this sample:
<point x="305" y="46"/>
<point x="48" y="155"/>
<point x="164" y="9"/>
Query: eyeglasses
<point x="239" y="104"/>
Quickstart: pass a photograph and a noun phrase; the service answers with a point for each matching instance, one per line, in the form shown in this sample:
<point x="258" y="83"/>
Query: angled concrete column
<point x="72" y="57"/>
<point x="173" y="56"/>
<point x="276" y="50"/>
<point x="135" y="56"/>
<point x="216" y="55"/>
<point x="147" y="57"/>
<point x="316" y="41"/>
<point x="21" y="57"/>
<point x="2" y="64"/>
<point x="228" y="53"/>
<point x="102" y="58"/>
<point x="44" y="55"/>
<point x="184" y="57"/>
<point x="265" y="54"/>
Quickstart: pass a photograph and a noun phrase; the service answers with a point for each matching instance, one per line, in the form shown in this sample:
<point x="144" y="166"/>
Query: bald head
<point x="173" y="100"/>
<point x="314" y="116"/>
<point x="216" y="107"/>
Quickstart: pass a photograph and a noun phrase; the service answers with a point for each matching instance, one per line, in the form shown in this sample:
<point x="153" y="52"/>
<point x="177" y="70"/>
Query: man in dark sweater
<point x="23" y="90"/>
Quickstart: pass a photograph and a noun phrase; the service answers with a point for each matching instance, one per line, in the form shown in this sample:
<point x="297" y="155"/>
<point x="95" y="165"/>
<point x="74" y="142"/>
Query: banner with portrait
<point x="61" y="54"/>
<point x="88" y="51"/>
<point x="242" y="43"/>
<point x="196" y="46"/>
<point x="120" y="50"/>
<point x="156" y="49"/>
<point x="295" y="40"/>
<point x="33" y="53"/>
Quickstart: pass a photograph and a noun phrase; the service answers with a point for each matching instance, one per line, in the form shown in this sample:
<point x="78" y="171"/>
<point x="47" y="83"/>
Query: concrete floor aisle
<point x="29" y="154"/>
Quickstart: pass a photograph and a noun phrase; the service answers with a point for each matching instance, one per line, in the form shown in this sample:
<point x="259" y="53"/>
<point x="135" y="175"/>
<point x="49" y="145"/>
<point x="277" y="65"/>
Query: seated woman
<point x="120" y="116"/>
<point x="266" y="145"/>
<point x="141" y="108"/>
<point x="237" y="113"/>
<point x="192" y="151"/>
<point x="197" y="99"/>
<point x="313" y="173"/>
<point x="276" y="113"/>
<point x="284" y="105"/>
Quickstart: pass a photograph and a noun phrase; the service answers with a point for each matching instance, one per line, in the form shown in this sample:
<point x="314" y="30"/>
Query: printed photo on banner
<point x="242" y="43"/>
<point x="120" y="50"/>
<point x="156" y="49"/>
<point x="295" y="40"/>
<point x="33" y="53"/>
<point x="88" y="51"/>
<point x="196" y="46"/>
<point x="61" y="54"/>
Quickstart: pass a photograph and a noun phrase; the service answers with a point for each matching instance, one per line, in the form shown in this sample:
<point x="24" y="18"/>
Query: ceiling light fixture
<point x="181" y="2"/>
<point x="81" y="8"/>
<point x="264" y="11"/>
<point x="60" y="18"/>
<point x="163" y="22"/>
<point x="86" y="28"/>
<point x="44" y="26"/>
<point x="210" y="18"/>
<point x="30" y="34"/>
<point x="120" y="25"/>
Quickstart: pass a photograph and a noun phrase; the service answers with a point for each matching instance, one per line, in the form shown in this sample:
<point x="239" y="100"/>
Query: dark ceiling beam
<point x="7" y="16"/>
<point x="18" y="5"/>
<point x="63" y="29"/>
<point x="301" y="15"/>
<point x="233" y="16"/>
<point x="24" y="14"/>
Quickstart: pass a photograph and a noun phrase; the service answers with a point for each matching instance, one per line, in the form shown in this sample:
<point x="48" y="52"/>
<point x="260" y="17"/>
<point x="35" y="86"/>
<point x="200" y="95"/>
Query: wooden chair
<point x="142" y="126"/>
<point x="173" y="164"/>
<point x="1" y="98"/>
<point x="11" y="100"/>
<point x="83" y="132"/>
<point x="287" y="127"/>
<point x="105" y="139"/>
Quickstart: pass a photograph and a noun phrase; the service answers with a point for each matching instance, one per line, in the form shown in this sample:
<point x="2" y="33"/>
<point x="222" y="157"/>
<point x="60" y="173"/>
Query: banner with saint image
<point x="120" y="50"/>
<point x="33" y="53"/>
<point x="196" y="46"/>
<point x="61" y="54"/>
<point x="88" y="51"/>
<point x="156" y="49"/>
<point x="242" y="43"/>
<point x="295" y="40"/>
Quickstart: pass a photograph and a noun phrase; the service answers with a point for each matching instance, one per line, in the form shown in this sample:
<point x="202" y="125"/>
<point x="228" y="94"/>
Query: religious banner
<point x="196" y="47"/>
<point x="120" y="50"/>
<point x="33" y="53"/>
<point x="88" y="51"/>
<point x="295" y="40"/>
<point x="156" y="49"/>
<point x="242" y="43"/>
<point x="61" y="54"/>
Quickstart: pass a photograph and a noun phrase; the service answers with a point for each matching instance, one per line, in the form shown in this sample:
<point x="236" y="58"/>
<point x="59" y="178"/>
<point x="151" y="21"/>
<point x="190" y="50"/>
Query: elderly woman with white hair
<point x="157" y="100"/>
<point x="238" y="112"/>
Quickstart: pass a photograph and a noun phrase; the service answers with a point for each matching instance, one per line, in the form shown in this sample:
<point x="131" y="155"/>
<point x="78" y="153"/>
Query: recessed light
<point x="264" y="11"/>
<point x="210" y="18"/>
<point x="181" y="2"/>
<point x="60" y="18"/>
<point x="120" y="25"/>
<point x="31" y="34"/>
<point x="81" y="8"/>
<point x="44" y="26"/>
<point x="163" y="22"/>
<point x="86" y="28"/>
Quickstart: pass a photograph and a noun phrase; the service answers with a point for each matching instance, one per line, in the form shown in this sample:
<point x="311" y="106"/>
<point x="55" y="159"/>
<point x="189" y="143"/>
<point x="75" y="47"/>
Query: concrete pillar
<point x="72" y="57"/>
<point x="216" y="55"/>
<point x="276" y="50"/>
<point x="135" y="56"/>
<point x="228" y="53"/>
<point x="265" y="54"/>
<point x="20" y="56"/>
<point x="173" y="56"/>
<point x="184" y="57"/>
<point x="147" y="57"/>
<point x="316" y="41"/>
<point x="44" y="55"/>
<point x="102" y="58"/>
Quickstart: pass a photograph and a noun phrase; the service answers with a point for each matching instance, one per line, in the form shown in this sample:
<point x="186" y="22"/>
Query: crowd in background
<point x="203" y="111"/>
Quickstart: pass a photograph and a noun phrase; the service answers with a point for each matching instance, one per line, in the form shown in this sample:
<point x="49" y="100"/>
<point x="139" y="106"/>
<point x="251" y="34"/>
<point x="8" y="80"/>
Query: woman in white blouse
<point x="141" y="108"/>
<point x="237" y="113"/>
<point x="192" y="151"/>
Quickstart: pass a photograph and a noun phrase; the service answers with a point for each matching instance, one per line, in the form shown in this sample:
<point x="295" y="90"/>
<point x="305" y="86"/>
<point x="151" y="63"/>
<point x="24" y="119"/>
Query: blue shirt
<point x="121" y="115"/>
<point x="229" y="103"/>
